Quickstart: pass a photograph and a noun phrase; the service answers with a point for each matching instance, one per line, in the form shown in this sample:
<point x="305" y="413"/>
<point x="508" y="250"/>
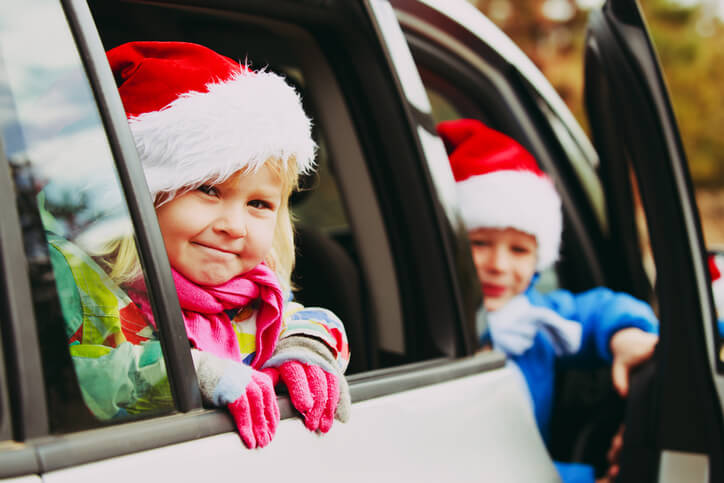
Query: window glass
<point x="582" y="164"/>
<point x="71" y="205"/>
<point x="318" y="203"/>
<point x="447" y="100"/>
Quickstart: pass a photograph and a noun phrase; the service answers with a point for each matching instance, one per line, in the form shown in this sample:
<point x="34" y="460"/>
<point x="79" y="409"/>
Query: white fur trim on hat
<point x="515" y="199"/>
<point x="208" y="136"/>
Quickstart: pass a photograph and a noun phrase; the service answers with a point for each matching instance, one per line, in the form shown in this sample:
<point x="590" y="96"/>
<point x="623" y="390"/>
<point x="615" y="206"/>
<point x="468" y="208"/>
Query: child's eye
<point x="480" y="243"/>
<point x="261" y="204"/>
<point x="520" y="250"/>
<point x="208" y="189"/>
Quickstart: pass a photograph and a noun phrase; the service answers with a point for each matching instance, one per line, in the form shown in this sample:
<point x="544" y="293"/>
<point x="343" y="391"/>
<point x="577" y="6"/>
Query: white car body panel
<point x="475" y="428"/>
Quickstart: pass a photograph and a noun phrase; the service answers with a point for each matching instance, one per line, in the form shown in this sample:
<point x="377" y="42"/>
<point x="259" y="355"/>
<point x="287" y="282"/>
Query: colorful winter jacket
<point x="600" y="313"/>
<point x="116" y="352"/>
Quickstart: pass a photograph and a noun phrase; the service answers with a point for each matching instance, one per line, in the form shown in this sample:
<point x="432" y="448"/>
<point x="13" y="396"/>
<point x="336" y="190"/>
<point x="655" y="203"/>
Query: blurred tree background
<point x="689" y="38"/>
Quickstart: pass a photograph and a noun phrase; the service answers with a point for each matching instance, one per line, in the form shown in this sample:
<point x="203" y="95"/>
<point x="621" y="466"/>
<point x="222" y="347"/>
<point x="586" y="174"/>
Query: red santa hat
<point x="500" y="185"/>
<point x="198" y="116"/>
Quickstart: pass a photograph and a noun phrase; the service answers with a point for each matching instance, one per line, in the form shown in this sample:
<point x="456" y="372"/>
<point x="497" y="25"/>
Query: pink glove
<point x="256" y="412"/>
<point x="313" y="392"/>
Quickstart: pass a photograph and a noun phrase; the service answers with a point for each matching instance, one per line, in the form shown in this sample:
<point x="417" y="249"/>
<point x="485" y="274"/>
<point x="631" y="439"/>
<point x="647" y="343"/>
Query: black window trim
<point x="457" y="336"/>
<point x="28" y="410"/>
<point x="167" y="311"/>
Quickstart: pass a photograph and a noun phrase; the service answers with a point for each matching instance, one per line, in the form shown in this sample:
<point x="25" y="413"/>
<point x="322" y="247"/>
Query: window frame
<point x="332" y="24"/>
<point x="24" y="410"/>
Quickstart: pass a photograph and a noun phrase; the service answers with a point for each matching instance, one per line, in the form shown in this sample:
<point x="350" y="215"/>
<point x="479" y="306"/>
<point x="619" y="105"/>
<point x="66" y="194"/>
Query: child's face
<point x="214" y="233"/>
<point x="505" y="260"/>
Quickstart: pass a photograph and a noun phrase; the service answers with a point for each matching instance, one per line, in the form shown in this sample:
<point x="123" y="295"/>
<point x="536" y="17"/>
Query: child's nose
<point x="233" y="222"/>
<point x="498" y="260"/>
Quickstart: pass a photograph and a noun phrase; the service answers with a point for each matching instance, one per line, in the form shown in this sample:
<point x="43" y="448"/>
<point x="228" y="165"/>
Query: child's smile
<point x="222" y="253"/>
<point x="217" y="232"/>
<point x="506" y="262"/>
<point x="493" y="290"/>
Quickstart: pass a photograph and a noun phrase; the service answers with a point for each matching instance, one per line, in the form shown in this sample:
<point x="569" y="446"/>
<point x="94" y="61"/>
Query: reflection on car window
<point x="69" y="197"/>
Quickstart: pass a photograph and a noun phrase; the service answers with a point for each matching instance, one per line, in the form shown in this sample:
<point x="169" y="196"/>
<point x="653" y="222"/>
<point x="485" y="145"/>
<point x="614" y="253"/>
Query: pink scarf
<point x="209" y="327"/>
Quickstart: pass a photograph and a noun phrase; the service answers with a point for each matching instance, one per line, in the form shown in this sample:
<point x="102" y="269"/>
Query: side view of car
<point x="380" y="242"/>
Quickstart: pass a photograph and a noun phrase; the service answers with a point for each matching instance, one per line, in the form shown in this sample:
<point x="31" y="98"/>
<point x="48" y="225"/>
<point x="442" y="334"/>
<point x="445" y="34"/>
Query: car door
<point x="425" y="406"/>
<point x="675" y="428"/>
<point x="471" y="69"/>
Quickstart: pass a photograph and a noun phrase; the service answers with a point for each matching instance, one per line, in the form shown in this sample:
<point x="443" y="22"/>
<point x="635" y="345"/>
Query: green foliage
<point x="693" y="65"/>
<point x="690" y="46"/>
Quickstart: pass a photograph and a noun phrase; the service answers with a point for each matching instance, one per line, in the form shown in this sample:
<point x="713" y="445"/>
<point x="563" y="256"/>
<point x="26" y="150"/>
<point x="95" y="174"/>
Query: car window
<point x="344" y="261"/>
<point x="480" y="85"/>
<point x="70" y="203"/>
<point x="449" y="101"/>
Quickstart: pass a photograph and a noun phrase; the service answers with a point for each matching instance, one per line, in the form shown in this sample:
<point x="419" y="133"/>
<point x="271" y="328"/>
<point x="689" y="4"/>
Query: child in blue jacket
<point x="514" y="220"/>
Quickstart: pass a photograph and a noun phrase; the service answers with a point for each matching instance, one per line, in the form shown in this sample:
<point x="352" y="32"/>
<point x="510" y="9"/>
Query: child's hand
<point x="256" y="412"/>
<point x="317" y="386"/>
<point x="313" y="392"/>
<point x="630" y="347"/>
<point x="248" y="393"/>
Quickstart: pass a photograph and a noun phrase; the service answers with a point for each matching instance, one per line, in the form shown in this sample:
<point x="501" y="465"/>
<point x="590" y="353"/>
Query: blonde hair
<point x="281" y="256"/>
<point x="119" y="257"/>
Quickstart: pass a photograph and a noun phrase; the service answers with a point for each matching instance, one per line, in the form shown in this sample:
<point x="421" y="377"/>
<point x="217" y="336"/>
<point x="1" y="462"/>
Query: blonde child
<point x="514" y="220"/>
<point x="222" y="148"/>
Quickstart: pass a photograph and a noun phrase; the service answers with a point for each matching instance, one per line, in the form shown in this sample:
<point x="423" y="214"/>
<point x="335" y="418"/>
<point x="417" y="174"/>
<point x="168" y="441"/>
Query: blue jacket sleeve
<point x="602" y="312"/>
<point x="575" y="472"/>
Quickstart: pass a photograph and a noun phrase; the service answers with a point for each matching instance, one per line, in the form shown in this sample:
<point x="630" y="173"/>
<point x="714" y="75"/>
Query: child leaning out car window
<point x="513" y="215"/>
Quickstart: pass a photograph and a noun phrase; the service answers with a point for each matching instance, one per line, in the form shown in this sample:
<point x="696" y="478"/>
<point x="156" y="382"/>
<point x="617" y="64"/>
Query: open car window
<point x="490" y="94"/>
<point x="345" y="259"/>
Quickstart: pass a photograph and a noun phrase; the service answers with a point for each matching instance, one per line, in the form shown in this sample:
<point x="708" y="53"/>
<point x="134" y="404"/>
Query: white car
<point x="380" y="241"/>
